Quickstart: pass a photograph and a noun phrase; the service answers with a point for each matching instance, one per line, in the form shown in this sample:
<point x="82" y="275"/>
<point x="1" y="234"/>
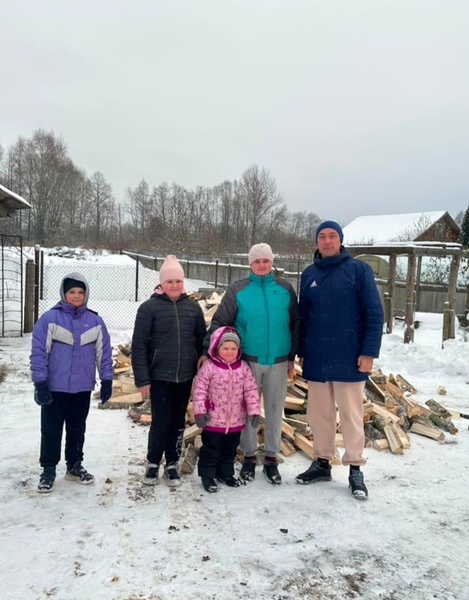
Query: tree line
<point x="71" y="207"/>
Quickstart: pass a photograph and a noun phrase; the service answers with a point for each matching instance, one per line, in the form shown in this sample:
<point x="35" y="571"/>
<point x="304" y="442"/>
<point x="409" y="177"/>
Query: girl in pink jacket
<point x="225" y="392"/>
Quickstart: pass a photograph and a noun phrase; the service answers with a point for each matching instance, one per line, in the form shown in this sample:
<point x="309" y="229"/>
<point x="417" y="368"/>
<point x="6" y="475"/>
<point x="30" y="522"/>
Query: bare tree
<point x="102" y="202"/>
<point x="260" y="197"/>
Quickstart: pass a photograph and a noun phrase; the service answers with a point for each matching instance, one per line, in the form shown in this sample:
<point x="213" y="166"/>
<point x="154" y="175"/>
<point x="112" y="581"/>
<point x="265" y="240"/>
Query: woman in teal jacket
<point x="264" y="310"/>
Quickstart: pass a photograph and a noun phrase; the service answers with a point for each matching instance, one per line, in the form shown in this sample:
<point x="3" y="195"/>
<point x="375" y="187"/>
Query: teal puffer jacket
<point x="265" y="312"/>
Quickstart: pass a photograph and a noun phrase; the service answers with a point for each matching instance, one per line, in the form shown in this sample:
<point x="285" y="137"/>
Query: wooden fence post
<point x="388" y="312"/>
<point x="409" y="300"/>
<point x="448" y="322"/>
<point x="29" y="296"/>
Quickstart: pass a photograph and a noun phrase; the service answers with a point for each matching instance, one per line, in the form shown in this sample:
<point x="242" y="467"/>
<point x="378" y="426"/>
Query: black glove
<point x="42" y="395"/>
<point x="106" y="390"/>
<point x="202" y="420"/>
<point x="255" y="420"/>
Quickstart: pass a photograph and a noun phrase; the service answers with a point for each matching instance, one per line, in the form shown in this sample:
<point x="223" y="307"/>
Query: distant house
<point x="437" y="226"/>
<point x="10" y="203"/>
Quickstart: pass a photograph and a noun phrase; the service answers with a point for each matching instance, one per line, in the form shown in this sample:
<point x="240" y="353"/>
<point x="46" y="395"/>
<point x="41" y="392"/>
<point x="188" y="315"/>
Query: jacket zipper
<point x="179" y="341"/>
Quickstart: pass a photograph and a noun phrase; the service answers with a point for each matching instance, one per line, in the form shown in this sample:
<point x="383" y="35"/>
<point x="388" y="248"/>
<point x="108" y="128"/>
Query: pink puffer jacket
<point x="227" y="392"/>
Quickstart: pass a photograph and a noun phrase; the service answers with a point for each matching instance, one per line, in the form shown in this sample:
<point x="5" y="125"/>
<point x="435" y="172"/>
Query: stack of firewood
<point x="390" y="413"/>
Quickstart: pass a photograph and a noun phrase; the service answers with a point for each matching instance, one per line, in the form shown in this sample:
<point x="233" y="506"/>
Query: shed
<point x="10" y="203"/>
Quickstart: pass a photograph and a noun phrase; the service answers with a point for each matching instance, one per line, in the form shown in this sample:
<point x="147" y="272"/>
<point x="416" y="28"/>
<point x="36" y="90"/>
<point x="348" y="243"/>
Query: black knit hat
<point x="73" y="283"/>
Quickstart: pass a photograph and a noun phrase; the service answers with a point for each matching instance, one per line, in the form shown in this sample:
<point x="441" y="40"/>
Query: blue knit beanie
<point x="330" y="225"/>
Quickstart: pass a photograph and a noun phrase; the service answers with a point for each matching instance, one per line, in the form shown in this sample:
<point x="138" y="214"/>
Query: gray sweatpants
<point x="272" y="383"/>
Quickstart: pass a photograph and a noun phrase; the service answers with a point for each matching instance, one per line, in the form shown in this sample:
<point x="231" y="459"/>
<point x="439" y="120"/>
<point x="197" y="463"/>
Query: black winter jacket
<point x="167" y="340"/>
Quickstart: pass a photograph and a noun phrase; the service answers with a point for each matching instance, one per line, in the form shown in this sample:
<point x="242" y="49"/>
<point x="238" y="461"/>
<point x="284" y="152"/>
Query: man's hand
<point x="145" y="391"/>
<point x="291" y="368"/>
<point x="365" y="364"/>
<point x="201" y="361"/>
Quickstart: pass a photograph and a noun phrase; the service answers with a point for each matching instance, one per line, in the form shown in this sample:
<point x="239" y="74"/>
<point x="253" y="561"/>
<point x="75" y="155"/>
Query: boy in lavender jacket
<point x="69" y="342"/>
<point x="224" y="392"/>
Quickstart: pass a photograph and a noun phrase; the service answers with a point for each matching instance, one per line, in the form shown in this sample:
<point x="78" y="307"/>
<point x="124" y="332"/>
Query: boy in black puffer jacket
<point x="166" y="345"/>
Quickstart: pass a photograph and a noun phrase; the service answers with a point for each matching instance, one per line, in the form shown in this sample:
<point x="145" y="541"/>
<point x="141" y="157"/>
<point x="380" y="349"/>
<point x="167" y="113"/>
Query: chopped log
<point x="392" y="436"/>
<point x="413" y="408"/>
<point x="145" y="419"/>
<point x="188" y="459"/>
<point x="443" y="424"/>
<point x="120" y="400"/>
<point x="190" y="414"/>
<point x="405" y="385"/>
<point x="372" y="433"/>
<point x="379" y="422"/>
<point x="128" y="387"/>
<point x="302" y="384"/>
<point x="293" y="403"/>
<point x="288" y="429"/>
<point x="191" y="432"/>
<point x="382" y="412"/>
<point x="404" y="421"/>
<point x="118" y="370"/>
<point x="383" y="393"/>
<point x="427" y="430"/>
<point x="403" y="436"/>
<point x="301" y="426"/>
<point x="437" y="408"/>
<point x="304" y="444"/>
<point x="286" y="447"/>
<point x="381" y="444"/>
<point x="125" y="350"/>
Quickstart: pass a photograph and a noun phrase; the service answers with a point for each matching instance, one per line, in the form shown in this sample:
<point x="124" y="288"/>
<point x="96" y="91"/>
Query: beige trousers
<point x="321" y="414"/>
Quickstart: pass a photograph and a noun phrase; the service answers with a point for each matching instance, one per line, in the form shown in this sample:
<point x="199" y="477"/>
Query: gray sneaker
<point x="79" y="474"/>
<point x="171" y="476"/>
<point x="151" y="475"/>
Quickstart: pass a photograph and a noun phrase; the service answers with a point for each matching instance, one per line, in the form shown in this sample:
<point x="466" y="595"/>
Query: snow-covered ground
<point x="120" y="540"/>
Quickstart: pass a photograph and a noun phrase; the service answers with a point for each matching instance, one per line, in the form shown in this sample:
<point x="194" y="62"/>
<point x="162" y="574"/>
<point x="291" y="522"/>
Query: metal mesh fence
<point x="11" y="289"/>
<point x="117" y="290"/>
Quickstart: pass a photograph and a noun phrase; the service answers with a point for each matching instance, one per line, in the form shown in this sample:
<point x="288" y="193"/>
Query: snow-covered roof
<point x="10" y="202"/>
<point x="387" y="228"/>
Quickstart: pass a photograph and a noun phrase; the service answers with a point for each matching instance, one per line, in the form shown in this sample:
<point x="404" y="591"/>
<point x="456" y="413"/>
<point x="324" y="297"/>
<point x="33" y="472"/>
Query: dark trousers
<point x="169" y="402"/>
<point x="217" y="454"/>
<point x="71" y="409"/>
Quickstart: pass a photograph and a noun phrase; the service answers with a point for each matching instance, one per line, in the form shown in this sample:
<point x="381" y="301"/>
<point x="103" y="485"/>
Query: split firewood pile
<point x="390" y="414"/>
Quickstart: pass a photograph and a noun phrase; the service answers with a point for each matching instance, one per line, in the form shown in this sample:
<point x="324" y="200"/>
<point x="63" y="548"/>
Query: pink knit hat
<point x="171" y="269"/>
<point x="260" y="251"/>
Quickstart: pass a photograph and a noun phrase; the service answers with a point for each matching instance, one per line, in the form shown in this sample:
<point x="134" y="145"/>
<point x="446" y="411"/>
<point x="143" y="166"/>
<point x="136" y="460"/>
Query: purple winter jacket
<point x="68" y="345"/>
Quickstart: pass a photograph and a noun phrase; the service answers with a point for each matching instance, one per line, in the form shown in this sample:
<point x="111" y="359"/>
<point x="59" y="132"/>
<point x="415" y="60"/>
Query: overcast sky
<point x="355" y="107"/>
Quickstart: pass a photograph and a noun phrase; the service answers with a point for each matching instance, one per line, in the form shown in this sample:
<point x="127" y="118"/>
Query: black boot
<point x="357" y="485"/>
<point x="46" y="481"/>
<point x="319" y="470"/>
<point x="230" y="481"/>
<point x="210" y="485"/>
<point x="271" y="472"/>
<point x="248" y="470"/>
